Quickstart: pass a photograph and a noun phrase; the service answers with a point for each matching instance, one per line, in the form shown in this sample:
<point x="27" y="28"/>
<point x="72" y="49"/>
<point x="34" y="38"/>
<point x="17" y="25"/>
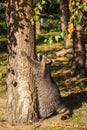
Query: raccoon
<point x="49" y="98"/>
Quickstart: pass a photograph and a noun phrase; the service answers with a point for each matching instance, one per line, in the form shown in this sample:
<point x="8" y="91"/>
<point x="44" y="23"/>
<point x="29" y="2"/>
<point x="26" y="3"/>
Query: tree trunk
<point x="64" y="18"/>
<point x="21" y="94"/>
<point x="38" y="26"/>
<point x="79" y="52"/>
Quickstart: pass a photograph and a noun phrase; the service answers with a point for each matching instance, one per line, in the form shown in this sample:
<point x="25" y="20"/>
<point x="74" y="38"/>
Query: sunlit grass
<point x="3" y="63"/>
<point x="3" y="24"/>
<point x="48" y="48"/>
<point x="3" y="39"/>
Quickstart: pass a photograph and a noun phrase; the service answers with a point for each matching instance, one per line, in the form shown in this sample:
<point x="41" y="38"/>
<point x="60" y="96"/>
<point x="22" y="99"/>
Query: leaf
<point x="39" y="7"/>
<point x="36" y="11"/>
<point x="57" y="1"/>
<point x="57" y="37"/>
<point x="77" y="3"/>
<point x="76" y="12"/>
<point x="32" y="21"/>
<point x="85" y="8"/>
<point x="1" y="63"/>
<point x="36" y="17"/>
<point x="81" y="6"/>
<point x="50" y="40"/>
<point x="85" y="29"/>
<point x="45" y="40"/>
<point x="80" y="18"/>
<point x="63" y="34"/>
<point x="1" y="75"/>
<point x="43" y="2"/>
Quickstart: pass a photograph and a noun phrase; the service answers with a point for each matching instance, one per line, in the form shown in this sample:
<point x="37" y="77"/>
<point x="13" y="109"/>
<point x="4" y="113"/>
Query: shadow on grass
<point x="40" y="39"/>
<point x="62" y="75"/>
<point x="75" y="100"/>
<point x="68" y="83"/>
<point x="73" y="89"/>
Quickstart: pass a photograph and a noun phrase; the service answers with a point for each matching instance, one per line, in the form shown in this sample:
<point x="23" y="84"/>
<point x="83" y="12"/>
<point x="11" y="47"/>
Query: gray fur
<point x="48" y="93"/>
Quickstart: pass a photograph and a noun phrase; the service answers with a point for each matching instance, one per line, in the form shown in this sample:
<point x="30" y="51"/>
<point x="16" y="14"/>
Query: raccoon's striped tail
<point x="64" y="111"/>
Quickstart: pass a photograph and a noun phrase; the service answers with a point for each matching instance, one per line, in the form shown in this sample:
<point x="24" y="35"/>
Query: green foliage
<point x="36" y="12"/>
<point x="83" y="7"/>
<point x="44" y="7"/>
<point x="52" y="31"/>
<point x="2" y="64"/>
<point x="50" y="40"/>
<point x="51" y="25"/>
<point x="3" y="39"/>
<point x="55" y="38"/>
<point x="1" y="75"/>
<point x="3" y="24"/>
<point x="2" y="28"/>
<point x="77" y="12"/>
<point x="51" y="7"/>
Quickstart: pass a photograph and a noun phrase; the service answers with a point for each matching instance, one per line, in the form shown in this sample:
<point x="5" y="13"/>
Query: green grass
<point x="3" y="46"/>
<point x="3" y="24"/>
<point x="3" y="63"/>
<point x="2" y="28"/>
<point x="3" y="38"/>
<point x="49" y="38"/>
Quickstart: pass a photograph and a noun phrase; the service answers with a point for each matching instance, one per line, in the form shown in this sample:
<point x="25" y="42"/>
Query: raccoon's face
<point x="45" y="64"/>
<point x="43" y="58"/>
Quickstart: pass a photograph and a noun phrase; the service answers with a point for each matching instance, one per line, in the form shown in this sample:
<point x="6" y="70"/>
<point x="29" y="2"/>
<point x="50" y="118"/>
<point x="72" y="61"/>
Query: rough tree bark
<point x="64" y="18"/>
<point x="38" y="26"/>
<point x="21" y="94"/>
<point x="79" y="52"/>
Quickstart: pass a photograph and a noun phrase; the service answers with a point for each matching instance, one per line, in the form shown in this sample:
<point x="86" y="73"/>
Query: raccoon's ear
<point x="39" y="56"/>
<point x="49" y="62"/>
